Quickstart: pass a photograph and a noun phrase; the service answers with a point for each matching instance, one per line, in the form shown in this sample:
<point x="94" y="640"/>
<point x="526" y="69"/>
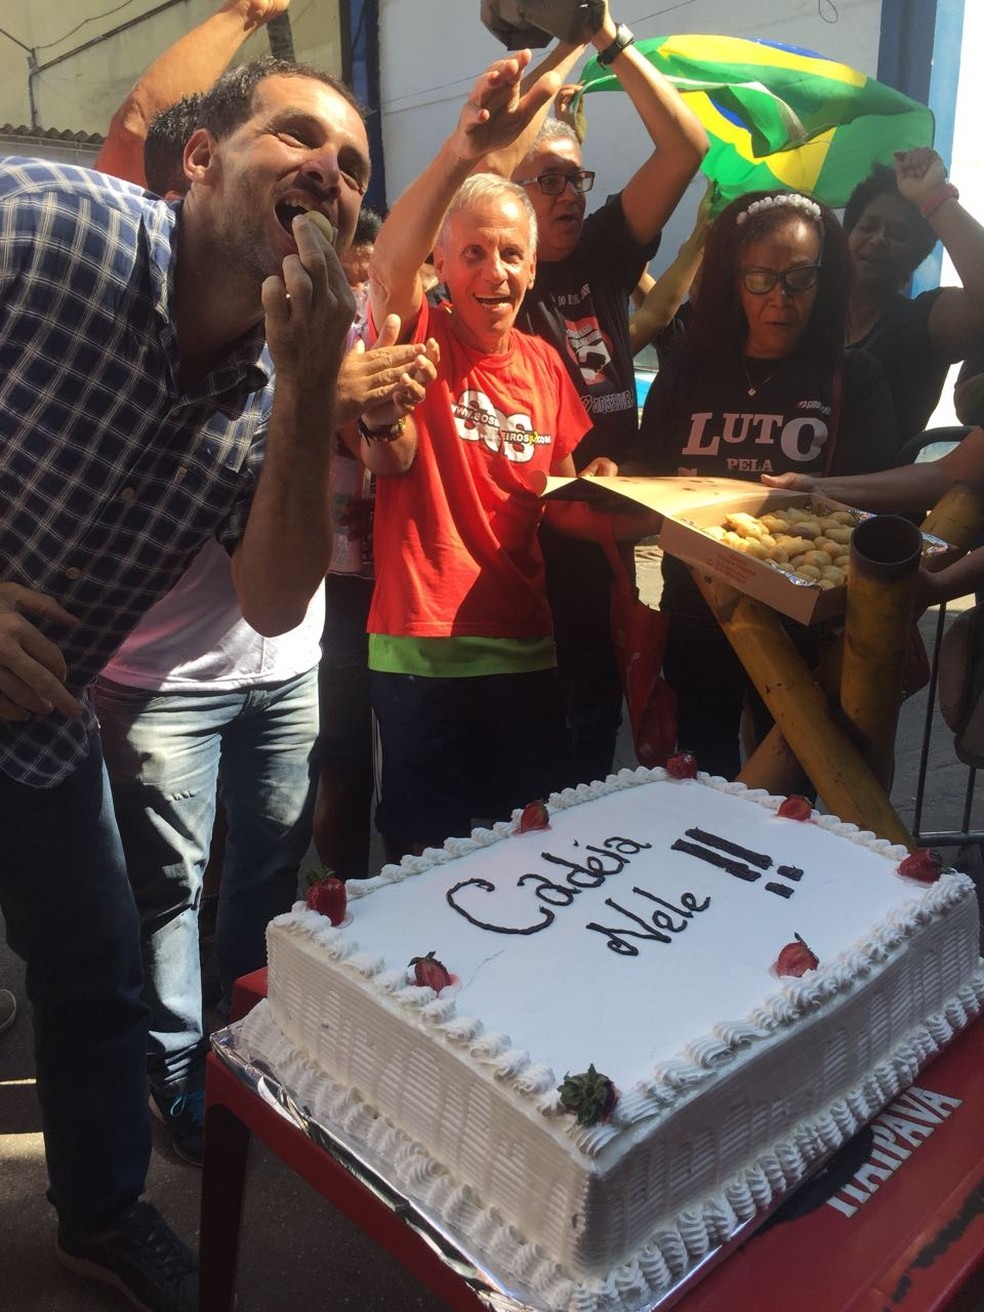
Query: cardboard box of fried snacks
<point x="702" y="519"/>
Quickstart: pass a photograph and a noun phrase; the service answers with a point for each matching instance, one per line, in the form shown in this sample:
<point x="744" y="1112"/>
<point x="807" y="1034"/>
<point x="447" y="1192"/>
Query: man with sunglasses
<point x="586" y="269"/>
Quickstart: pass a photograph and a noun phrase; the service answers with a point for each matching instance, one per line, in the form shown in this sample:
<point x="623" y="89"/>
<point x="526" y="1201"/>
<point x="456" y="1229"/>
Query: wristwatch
<point x="623" y="38"/>
<point x="388" y="434"/>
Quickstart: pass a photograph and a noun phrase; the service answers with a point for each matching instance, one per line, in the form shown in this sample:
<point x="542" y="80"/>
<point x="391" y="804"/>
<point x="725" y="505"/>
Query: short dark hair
<point x="881" y="181"/>
<point x="229" y="102"/>
<point x="163" y="154"/>
<point x="367" y="227"/>
<point x="719" y="325"/>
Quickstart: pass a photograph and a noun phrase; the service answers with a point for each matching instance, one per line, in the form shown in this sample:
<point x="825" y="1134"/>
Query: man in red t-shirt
<point x="461" y="646"/>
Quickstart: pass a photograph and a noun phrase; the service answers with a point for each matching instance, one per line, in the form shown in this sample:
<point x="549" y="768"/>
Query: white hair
<point x="484" y="186"/>
<point x="554" y="129"/>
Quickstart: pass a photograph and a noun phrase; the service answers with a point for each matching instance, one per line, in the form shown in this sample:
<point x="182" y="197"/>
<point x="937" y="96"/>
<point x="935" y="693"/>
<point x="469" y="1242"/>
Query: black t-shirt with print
<point x="580" y="305"/>
<point x="916" y="373"/>
<point x="703" y="421"/>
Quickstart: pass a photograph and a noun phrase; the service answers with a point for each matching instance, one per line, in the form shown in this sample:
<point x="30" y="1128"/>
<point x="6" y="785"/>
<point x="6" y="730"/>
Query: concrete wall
<point x="86" y="66"/>
<point x="432" y="50"/>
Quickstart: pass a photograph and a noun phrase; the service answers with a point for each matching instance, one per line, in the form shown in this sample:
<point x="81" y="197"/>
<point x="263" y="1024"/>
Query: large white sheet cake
<point x="637" y="934"/>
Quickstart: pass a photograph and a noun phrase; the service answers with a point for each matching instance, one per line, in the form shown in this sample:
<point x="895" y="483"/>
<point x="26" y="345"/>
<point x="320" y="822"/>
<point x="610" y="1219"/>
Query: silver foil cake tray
<point x="455" y="1250"/>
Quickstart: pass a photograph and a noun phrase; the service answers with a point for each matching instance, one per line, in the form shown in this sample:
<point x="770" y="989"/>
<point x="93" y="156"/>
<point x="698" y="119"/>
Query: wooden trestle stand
<point x="839" y="724"/>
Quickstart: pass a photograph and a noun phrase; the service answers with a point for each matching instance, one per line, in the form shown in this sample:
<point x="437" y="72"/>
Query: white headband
<point x="790" y="198"/>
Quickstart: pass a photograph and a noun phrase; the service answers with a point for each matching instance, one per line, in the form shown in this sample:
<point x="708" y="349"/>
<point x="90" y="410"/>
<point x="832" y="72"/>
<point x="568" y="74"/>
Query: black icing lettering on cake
<point x="790" y="872"/>
<point x="736" y="868"/>
<point x="783" y="890"/>
<point x="593" y="868"/>
<point x="733" y="849"/>
<point x="487" y="887"/>
<point x="626" y="846"/>
<point x="689" y="901"/>
<point x="565" y="896"/>
<point x="653" y="930"/>
<point x="690" y="906"/>
<point x="610" y="858"/>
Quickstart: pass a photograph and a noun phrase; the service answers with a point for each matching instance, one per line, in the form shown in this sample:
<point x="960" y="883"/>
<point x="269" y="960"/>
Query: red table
<point x="906" y="1232"/>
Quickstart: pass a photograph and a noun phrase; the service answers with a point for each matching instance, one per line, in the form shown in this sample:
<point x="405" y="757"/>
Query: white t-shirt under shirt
<point x="196" y="640"/>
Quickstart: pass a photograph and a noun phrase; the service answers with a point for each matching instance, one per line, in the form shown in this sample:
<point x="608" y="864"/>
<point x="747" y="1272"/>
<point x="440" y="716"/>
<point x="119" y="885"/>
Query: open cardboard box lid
<point x="690" y="504"/>
<point x="668" y="496"/>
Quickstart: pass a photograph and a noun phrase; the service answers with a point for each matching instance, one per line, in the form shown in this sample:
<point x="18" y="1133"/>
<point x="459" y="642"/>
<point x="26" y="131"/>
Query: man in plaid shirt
<point x="137" y="347"/>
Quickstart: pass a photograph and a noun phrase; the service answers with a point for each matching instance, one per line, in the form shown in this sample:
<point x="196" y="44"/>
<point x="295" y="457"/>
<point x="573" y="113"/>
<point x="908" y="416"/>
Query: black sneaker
<point x="183" y="1116"/>
<point x="139" y="1255"/>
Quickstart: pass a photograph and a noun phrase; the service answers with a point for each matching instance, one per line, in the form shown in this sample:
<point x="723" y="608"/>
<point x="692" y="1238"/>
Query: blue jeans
<point x="168" y="754"/>
<point x="70" y="915"/>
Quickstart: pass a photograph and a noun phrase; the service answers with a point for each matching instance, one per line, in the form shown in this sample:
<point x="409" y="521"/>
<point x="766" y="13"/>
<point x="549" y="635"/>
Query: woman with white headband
<point x="761" y="385"/>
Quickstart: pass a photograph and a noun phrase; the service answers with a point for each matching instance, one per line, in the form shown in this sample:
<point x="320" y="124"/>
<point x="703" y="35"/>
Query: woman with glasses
<point x="761" y="385"/>
<point x="893" y="220"/>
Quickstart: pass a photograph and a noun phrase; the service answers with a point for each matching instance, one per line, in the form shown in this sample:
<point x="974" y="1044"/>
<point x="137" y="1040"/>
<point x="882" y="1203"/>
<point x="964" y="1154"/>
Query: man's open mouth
<point x="288" y="210"/>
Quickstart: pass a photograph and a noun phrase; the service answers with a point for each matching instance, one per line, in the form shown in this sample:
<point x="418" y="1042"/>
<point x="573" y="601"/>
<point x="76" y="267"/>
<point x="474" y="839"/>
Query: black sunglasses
<point x="553" y="184"/>
<point x="802" y="278"/>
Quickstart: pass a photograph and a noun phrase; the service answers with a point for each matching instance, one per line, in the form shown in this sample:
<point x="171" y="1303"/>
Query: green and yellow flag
<point x="778" y="116"/>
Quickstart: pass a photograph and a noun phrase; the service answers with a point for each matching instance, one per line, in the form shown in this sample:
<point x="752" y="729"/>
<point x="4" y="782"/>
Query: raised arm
<point x="496" y="112"/>
<point x="670" y="290"/>
<point x="192" y="64"/>
<point x="283" y="554"/>
<point x="653" y="191"/>
<point x="956" y="321"/>
<point x="555" y="66"/>
<point x="909" y="488"/>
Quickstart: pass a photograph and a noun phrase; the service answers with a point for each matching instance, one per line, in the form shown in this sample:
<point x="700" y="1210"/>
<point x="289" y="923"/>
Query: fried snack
<point x="746" y="525"/>
<point x="323" y="225"/>
<point x="828" y="545"/>
<point x="774" y="524"/>
<point x="794" y="546"/>
<point x="807" y="546"/>
<point x="808" y="527"/>
<point x="822" y="559"/>
<point x="842" y="535"/>
<point x="753" y="547"/>
<point x="845" y="518"/>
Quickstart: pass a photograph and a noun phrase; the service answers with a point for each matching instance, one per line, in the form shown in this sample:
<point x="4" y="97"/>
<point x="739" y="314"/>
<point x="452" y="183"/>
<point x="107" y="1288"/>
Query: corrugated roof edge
<point x="23" y="132"/>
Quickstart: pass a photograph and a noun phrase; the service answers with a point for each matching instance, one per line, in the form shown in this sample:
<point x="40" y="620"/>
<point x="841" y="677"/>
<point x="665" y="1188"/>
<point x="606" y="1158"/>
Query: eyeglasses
<point x="799" y="279"/>
<point x="553" y="184"/>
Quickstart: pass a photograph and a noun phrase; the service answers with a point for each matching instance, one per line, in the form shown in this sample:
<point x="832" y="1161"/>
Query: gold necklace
<point x="754" y="387"/>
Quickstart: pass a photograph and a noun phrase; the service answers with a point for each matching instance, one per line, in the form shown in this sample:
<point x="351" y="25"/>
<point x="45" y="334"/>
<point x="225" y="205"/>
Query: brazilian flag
<point x="781" y="117"/>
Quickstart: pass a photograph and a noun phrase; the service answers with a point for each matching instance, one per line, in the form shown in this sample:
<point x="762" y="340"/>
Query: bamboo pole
<point x="885" y="554"/>
<point x="835" y="766"/>
<point x="773" y="764"/>
<point x="957" y="518"/>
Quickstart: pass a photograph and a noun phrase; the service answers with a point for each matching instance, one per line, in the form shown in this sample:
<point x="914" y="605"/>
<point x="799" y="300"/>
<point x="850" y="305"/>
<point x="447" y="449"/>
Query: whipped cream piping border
<point x="672" y="1251"/>
<point x="700" y="1059"/>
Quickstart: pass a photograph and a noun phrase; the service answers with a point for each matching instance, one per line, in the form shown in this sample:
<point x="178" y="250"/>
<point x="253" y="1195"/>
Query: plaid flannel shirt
<point x="112" y="474"/>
